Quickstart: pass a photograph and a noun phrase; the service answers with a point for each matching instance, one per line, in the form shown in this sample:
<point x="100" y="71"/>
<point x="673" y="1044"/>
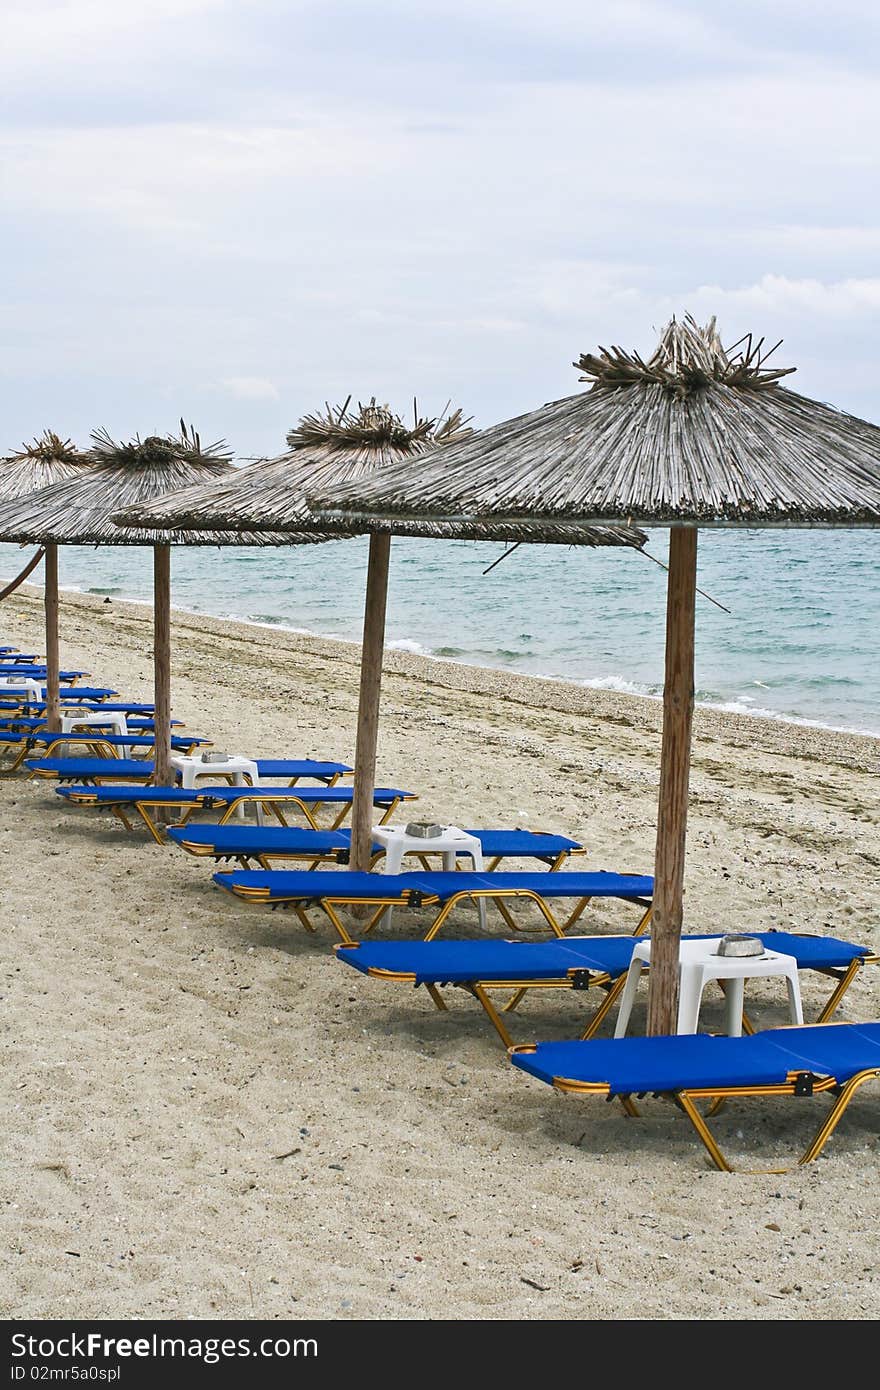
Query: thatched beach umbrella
<point x="695" y="436"/>
<point x="346" y="446"/>
<point x="46" y="460"/>
<point x="77" y="511"/>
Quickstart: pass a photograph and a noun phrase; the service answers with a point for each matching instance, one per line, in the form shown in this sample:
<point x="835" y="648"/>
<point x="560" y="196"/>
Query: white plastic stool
<point x="242" y="772"/>
<point x="450" y="845"/>
<point x="699" y="963"/>
<point x="31" y="690"/>
<point x="115" y="719"/>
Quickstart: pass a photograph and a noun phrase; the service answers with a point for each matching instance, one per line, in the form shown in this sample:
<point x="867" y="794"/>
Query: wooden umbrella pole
<point x="163" y="775"/>
<point x="50" y="604"/>
<point x="368" y="705"/>
<point x="675" y="761"/>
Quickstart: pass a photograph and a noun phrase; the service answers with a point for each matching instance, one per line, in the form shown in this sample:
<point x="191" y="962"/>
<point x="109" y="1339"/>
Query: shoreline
<point x="556" y="692"/>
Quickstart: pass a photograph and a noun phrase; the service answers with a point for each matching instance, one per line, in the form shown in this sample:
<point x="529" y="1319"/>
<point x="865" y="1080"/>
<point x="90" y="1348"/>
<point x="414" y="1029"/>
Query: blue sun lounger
<point x="575" y="963"/>
<point x="102" y="747"/>
<point x="36" y="723"/>
<point x="111" y="768"/>
<point x="10" y="709"/>
<point x="329" y="889"/>
<point x="84" y="770"/>
<point x="250" y="844"/>
<point x="802" y="1061"/>
<point x="275" y="801"/>
<point x="74" y="694"/>
<point x="37" y="672"/>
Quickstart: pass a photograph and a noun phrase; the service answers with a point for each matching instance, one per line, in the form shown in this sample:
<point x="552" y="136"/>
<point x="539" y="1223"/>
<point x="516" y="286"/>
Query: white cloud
<point x="775" y="294"/>
<point x="251" y="388"/>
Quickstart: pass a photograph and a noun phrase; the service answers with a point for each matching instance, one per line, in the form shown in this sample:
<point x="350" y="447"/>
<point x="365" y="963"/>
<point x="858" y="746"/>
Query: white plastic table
<point x="115" y="719"/>
<point x="242" y="772"/>
<point x="450" y="844"/>
<point x="699" y="963"/>
<point x="31" y="690"/>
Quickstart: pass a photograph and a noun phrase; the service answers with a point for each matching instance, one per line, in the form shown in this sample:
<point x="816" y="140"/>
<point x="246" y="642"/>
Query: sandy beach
<point x="207" y="1115"/>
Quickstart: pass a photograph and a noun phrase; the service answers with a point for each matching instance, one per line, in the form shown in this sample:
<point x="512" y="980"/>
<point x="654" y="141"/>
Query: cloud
<point x="251" y="388"/>
<point x="775" y="294"/>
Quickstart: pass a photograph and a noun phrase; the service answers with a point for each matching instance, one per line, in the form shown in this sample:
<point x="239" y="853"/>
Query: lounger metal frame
<point x="265" y="858"/>
<point x="583" y="979"/>
<point x="797" y="1083"/>
<point x="93" y="744"/>
<point x="202" y="801"/>
<point x="500" y="897"/>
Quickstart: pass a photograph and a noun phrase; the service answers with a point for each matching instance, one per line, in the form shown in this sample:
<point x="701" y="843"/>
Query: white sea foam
<point x="741" y="704"/>
<point x="407" y="644"/>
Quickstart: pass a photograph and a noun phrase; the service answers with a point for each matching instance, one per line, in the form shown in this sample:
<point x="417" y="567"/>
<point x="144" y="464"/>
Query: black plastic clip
<point x="415" y="898"/>
<point x="343" y="856"/>
<point x="580" y="979"/>
<point x="803" y="1083"/>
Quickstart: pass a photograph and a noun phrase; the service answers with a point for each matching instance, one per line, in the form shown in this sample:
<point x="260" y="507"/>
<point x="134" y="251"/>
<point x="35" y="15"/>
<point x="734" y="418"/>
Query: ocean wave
<point x="758" y="712"/>
<point x="821" y="667"/>
<point x="407" y="644"/>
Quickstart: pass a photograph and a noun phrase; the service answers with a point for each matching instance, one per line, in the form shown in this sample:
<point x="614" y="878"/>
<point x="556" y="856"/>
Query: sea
<point x="799" y="641"/>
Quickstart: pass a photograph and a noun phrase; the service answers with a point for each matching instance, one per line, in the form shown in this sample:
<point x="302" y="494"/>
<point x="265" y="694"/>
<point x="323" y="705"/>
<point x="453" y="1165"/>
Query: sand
<point x="207" y="1115"/>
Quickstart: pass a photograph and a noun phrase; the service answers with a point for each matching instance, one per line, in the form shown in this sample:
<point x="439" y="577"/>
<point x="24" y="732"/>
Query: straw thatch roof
<point x="79" y="509"/>
<point x="341" y="446"/>
<point x="697" y="434"/>
<point x="46" y="460"/>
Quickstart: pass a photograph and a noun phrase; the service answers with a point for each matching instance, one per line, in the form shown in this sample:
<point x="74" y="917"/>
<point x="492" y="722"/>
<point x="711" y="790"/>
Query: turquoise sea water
<point x="801" y="641"/>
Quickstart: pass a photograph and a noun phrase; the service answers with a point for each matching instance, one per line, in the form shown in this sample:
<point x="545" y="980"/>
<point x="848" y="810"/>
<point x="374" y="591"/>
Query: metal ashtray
<point x="738" y="944"/>
<point x="215" y="757"/>
<point x="424" y="829"/>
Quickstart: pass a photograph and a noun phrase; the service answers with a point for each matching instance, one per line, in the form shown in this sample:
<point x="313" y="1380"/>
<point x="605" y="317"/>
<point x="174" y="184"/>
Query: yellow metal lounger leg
<point x="704" y="1131"/>
<point x="304" y="919"/>
<point x="493" y="1014"/>
<point x="607" y="1004"/>
<point x="334" y="918"/>
<point x="840" y="990"/>
<point x="438" y="999"/>
<point x="151" y="825"/>
<point x="644" y="921"/>
<point x="514" y="1001"/>
<point x="570" y="921"/>
<point x="827" y="1128"/>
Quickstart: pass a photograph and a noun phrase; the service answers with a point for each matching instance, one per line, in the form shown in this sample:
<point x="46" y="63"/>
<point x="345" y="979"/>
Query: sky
<point x="236" y="210"/>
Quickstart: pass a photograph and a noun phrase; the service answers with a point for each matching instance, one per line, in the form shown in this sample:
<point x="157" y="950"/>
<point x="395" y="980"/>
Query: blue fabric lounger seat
<point x="99" y="744"/>
<point x="110" y="769"/>
<point x="291" y="770"/>
<point x="801" y="1061"/>
<point x="143" y="799"/>
<point x="328" y="889"/>
<point x="36" y="723"/>
<point x="262" y="844"/>
<point x="75" y="694"/>
<point x="30" y="672"/>
<point x="12" y="708"/>
<point x="574" y="963"/>
<point x="105" y="769"/>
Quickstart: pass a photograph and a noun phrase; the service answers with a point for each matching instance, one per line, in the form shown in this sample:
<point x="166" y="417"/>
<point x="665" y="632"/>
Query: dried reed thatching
<point x="344" y="446"/>
<point x="697" y="435"/>
<point x="46" y="460"/>
<point x="78" y="510"/>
